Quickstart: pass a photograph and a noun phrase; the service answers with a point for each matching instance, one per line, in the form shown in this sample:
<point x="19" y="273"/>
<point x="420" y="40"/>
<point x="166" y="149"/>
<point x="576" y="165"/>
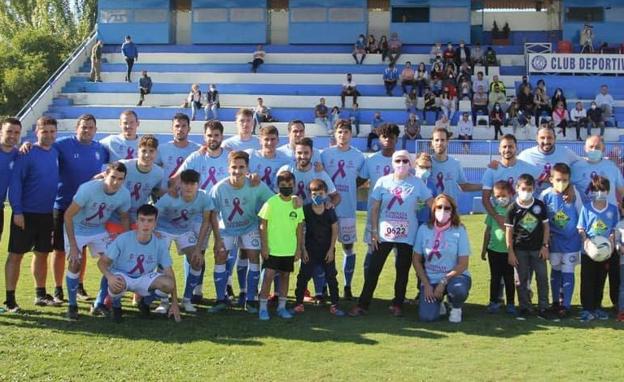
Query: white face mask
<point x="442" y="216"/>
<point x="524" y="196"/>
<point x="600" y="195"/>
<point x="502" y="201"/>
<point x="422" y="173"/>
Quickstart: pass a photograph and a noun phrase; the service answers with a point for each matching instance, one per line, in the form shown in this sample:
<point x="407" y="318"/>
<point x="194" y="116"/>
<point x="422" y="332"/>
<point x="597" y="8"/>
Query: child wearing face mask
<point x="565" y="242"/>
<point x="597" y="218"/>
<point x="496" y="248"/>
<point x="527" y="235"/>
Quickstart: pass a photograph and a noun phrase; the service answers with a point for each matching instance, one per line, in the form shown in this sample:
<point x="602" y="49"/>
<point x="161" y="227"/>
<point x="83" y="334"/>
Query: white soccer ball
<point x="598" y="248"/>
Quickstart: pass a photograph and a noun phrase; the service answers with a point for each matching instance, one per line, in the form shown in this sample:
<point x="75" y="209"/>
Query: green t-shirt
<point x="283" y="220"/>
<point x="497" y="234"/>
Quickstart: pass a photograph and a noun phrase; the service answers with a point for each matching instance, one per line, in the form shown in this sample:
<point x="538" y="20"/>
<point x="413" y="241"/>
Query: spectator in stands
<point x="615" y="155"/>
<point x="258" y="58"/>
<point x="490" y="59"/>
<point x="497" y="118"/>
<point x="594" y="119"/>
<point x="349" y="89"/>
<point x="131" y="54"/>
<point x="407" y="77"/>
<point x="448" y="103"/>
<point x="578" y="119"/>
<point x="261" y="113"/>
<point x="480" y="81"/>
<point x="560" y="118"/>
<point x="525" y="83"/>
<point x="542" y="85"/>
<point x="496" y="81"/>
<point x="371" y="45"/>
<point x="430" y="104"/>
<point x="587" y="39"/>
<point x="605" y="102"/>
<point x="437" y="75"/>
<point x="444" y="123"/>
<point x="516" y="117"/>
<point x="374" y="133"/>
<point x="194" y="99"/>
<point x="96" y="62"/>
<point x="212" y="103"/>
<point x="465" y="90"/>
<point x="479" y="104"/>
<point x="449" y="72"/>
<point x="334" y="117"/>
<point x="542" y="106"/>
<point x="604" y="48"/>
<point x="411" y="101"/>
<point x="464" y="130"/>
<point x="558" y="97"/>
<point x="462" y="54"/>
<point x="465" y="72"/>
<point x="359" y="48"/>
<point x="436" y="53"/>
<point x="354" y="117"/>
<point x="394" y="47"/>
<point x="498" y="96"/>
<point x="476" y="55"/>
<point x="449" y="53"/>
<point x="525" y="102"/>
<point x="145" y="86"/>
<point x="390" y="77"/>
<point x="412" y="129"/>
<point x="382" y="48"/>
<point x="321" y="115"/>
<point x="422" y="78"/>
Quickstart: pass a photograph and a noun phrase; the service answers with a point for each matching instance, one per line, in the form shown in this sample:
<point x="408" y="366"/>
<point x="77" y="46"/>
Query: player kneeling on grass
<point x="85" y="220"/>
<point x="281" y="239"/>
<point x="321" y="233"/>
<point x="597" y="218"/>
<point x="132" y="262"/>
<point x="176" y="222"/>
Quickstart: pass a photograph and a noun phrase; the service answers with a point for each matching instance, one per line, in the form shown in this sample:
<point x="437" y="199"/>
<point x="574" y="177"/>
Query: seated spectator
<point x="558" y="97"/>
<point x="258" y="58"/>
<point x="495" y="81"/>
<point x="587" y="39"/>
<point x="390" y="77"/>
<point x="464" y="130"/>
<point x="476" y="55"/>
<point x="371" y="45"/>
<point x="194" y="100"/>
<point x="321" y="115"/>
<point x="450" y="71"/>
<point x="516" y="117"/>
<point x="465" y="90"/>
<point x="594" y="119"/>
<point x="448" y="103"/>
<point x="465" y="72"/>
<point x="560" y="118"/>
<point x="436" y="53"/>
<point x="462" y="54"/>
<point x="349" y="89"/>
<point x="541" y="84"/>
<point x="374" y="133"/>
<point x="407" y="77"/>
<point x="490" y="59"/>
<point x="443" y="122"/>
<point x="262" y="113"/>
<point x="422" y="78"/>
<point x="354" y="117"/>
<point x="394" y="47"/>
<point x="212" y="103"/>
<point x="578" y="119"/>
<point x="412" y="129"/>
<point x="145" y="86"/>
<point x="498" y="96"/>
<point x="542" y="106"/>
<point x="430" y="104"/>
<point x="382" y="48"/>
<point x="334" y="117"/>
<point x="479" y="104"/>
<point x="411" y="101"/>
<point x="436" y="77"/>
<point x="359" y="48"/>
<point x="525" y="83"/>
<point x="497" y="118"/>
<point x="525" y="102"/>
<point x="449" y="53"/>
<point x="605" y="102"/>
<point x="480" y="81"/>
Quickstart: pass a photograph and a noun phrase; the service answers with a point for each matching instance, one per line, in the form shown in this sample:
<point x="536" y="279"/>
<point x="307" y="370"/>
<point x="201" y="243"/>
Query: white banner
<point x="576" y="63"/>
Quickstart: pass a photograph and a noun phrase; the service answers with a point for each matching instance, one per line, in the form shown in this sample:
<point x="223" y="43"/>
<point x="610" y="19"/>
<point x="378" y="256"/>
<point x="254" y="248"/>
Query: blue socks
<point x="253" y="276"/>
<point x="192" y="280"/>
<point x="230" y="262"/>
<point x="241" y="273"/>
<point x="568" y="288"/>
<point x="555" y="285"/>
<point x="220" y="281"/>
<point x="103" y="292"/>
<point x="348" y="266"/>
<point x="72" y="280"/>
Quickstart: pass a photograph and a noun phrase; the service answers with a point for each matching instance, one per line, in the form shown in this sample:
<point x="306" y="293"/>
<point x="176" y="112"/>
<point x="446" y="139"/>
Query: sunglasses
<point x="401" y="161"/>
<point x="445" y="208"/>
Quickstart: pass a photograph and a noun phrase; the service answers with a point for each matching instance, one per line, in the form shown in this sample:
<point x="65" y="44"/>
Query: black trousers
<point x="500" y="269"/>
<point x="378" y="259"/>
<point x="129" y="65"/>
<point x="593" y="277"/>
<point x="306" y="271"/>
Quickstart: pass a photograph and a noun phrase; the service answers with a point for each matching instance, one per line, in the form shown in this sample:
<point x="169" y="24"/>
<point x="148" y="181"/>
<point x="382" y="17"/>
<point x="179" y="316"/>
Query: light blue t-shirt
<point x="135" y="259"/>
<point x="234" y="143"/>
<point x="290" y="153"/>
<point x="238" y="207"/>
<point x="170" y="158"/>
<point x="267" y="168"/>
<point x="562" y="218"/>
<point x="303" y="179"/>
<point x="447" y="176"/>
<point x="120" y="148"/>
<point x="375" y="166"/>
<point x="441" y="260"/>
<point x="176" y="216"/>
<point x="598" y="223"/>
<point x="211" y="169"/>
<point x="96" y="207"/>
<point x="509" y="174"/>
<point x="399" y="200"/>
<point x="545" y="161"/>
<point x="344" y="167"/>
<point x="140" y="185"/>
<point x="583" y="172"/>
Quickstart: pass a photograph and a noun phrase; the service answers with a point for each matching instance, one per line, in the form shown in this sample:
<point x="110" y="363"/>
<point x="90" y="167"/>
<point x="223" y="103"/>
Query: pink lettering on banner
<point x="211" y="178"/>
<point x="136" y="191"/>
<point x="396" y="198"/>
<point x="236" y="210"/>
<point x="139" y="265"/>
<point x="340" y="171"/>
<point x="99" y="214"/>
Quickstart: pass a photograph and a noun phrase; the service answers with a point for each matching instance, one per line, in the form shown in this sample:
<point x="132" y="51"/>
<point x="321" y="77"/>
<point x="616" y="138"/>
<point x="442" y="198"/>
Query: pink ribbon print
<point x="387" y="170"/>
<point x="397" y="192"/>
<point x="545" y="175"/>
<point x="183" y="216"/>
<point x="212" y="178"/>
<point x="435" y="251"/>
<point x="130" y="153"/>
<point x="266" y="178"/>
<point x="340" y="171"/>
<point x="440" y="181"/>
<point x="510" y="182"/>
<point x="179" y="162"/>
<point x="301" y="190"/>
<point x="99" y="214"/>
<point x="136" y="191"/>
<point x="236" y="210"/>
<point x="139" y="265"/>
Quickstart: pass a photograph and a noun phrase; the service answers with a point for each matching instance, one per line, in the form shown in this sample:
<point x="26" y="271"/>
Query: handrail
<point x="59" y="71"/>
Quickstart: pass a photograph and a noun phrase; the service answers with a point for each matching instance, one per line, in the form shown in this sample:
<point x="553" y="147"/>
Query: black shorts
<point x="280" y="263"/>
<point x="58" y="241"/>
<point x="37" y="236"/>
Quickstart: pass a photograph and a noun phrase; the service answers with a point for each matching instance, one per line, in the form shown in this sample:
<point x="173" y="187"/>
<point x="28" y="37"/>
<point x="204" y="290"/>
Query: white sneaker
<point x="163" y="308"/>
<point x="456" y="315"/>
<point x="188" y="307"/>
<point x="442" y="308"/>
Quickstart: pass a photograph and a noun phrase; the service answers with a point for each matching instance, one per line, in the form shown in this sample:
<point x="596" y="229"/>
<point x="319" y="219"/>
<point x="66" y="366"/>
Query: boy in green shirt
<point x="496" y="247"/>
<point x="281" y="238"/>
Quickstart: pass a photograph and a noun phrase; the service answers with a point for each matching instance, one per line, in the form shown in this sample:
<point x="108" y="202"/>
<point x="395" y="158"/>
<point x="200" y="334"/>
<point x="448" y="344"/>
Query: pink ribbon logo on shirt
<point x="99" y="214"/>
<point x="139" y="265"/>
<point x="183" y="216"/>
<point x="510" y="182"/>
<point x="386" y="170"/>
<point x="136" y="191"/>
<point x="440" y="181"/>
<point x="130" y="153"/>
<point x="212" y="178"/>
<point x="545" y="175"/>
<point x="592" y="176"/>
<point x="236" y="210"/>
<point x="435" y="251"/>
<point x="340" y="171"/>
<point x="179" y="162"/>
<point x="396" y="198"/>
<point x="301" y="190"/>
<point x="266" y="178"/>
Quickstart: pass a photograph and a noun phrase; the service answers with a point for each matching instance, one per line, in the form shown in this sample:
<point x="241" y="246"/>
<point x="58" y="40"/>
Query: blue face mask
<point x="318" y="200"/>
<point x="594" y="155"/>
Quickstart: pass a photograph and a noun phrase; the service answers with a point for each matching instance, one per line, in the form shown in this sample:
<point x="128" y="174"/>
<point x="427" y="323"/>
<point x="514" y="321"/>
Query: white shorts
<point x="96" y="243"/>
<point x="139" y="285"/>
<point x="347" y="230"/>
<point x="182" y="241"/>
<point x="565" y="261"/>
<point x="250" y="240"/>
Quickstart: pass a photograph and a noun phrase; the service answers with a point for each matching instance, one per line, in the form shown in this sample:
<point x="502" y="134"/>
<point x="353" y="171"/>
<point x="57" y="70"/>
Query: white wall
<point x="518" y="21"/>
<point x="378" y="23"/>
<point x="278" y="33"/>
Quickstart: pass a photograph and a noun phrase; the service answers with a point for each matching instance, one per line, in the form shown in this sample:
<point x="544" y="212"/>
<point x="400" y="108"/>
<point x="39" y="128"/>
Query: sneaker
<point x="163" y="308"/>
<point x="336" y="312"/>
<point x="82" y="294"/>
<point x="218" y="307"/>
<point x="523" y="314"/>
<point x="357" y="311"/>
<point x="511" y="309"/>
<point x="586" y="316"/>
<point x="197" y="299"/>
<point x="299" y="308"/>
<point x="117" y="315"/>
<point x="58" y="299"/>
<point x="284" y="313"/>
<point x="620" y="317"/>
<point x="46" y="300"/>
<point x="144" y="309"/>
<point x="443" y="309"/>
<point x="14" y="308"/>
<point x="229" y="291"/>
<point x="601" y="314"/>
<point x="396" y="310"/>
<point x="263" y="315"/>
<point x="455" y="316"/>
<point x="307" y="297"/>
<point x="319" y="300"/>
<point x="188" y="307"/>
<point x="251" y="307"/>
<point x="99" y="310"/>
<point x="58" y="296"/>
<point x="493" y="307"/>
<point x="548" y="315"/>
<point x="347" y="293"/>
<point x="242" y="297"/>
<point x="72" y="312"/>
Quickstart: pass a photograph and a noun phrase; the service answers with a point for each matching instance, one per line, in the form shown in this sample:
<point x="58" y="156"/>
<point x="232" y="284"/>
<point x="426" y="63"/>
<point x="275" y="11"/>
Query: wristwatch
<point x="443" y="280"/>
<point x="546" y="245"/>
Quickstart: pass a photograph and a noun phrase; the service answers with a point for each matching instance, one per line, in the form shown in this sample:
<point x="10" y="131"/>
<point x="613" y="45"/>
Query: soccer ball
<point x="598" y="248"/>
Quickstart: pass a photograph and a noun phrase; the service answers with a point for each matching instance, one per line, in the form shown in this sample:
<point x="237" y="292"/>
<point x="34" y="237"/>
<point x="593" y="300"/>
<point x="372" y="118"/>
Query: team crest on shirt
<point x="561" y="219"/>
<point x="609" y="215"/>
<point x="528" y="222"/>
<point x="536" y="209"/>
<point x="292" y="215"/>
<point x="599" y="227"/>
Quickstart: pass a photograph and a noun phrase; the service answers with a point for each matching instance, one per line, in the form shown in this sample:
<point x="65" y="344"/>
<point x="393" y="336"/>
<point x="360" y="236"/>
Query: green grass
<point x="40" y="344"/>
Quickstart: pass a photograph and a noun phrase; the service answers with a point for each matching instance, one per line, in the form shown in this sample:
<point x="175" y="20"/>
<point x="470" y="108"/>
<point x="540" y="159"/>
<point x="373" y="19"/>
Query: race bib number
<point x="393" y="230"/>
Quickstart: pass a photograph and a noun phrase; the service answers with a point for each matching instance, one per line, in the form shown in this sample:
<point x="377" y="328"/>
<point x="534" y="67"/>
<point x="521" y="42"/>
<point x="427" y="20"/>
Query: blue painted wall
<point x="437" y="29"/>
<point x="327" y="27"/>
<point x="147" y="21"/>
<point x="610" y="31"/>
<point x="219" y="22"/>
